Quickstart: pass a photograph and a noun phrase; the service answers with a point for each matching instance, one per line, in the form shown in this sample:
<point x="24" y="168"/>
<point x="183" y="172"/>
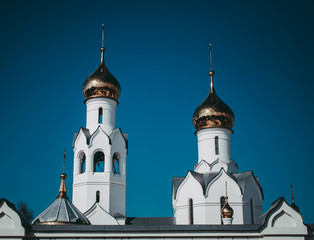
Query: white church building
<point x="212" y="201"/>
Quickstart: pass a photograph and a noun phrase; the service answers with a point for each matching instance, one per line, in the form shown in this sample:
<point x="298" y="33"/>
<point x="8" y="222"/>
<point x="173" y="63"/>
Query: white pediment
<point x="98" y="216"/>
<point x="283" y="219"/>
<point x="10" y="221"/>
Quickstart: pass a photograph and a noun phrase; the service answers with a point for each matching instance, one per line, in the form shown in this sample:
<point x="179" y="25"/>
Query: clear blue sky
<point x="158" y="50"/>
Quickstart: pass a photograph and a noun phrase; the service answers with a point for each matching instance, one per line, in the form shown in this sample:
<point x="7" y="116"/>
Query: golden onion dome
<point x="101" y="83"/>
<point x="213" y="112"/>
<point x="226" y="211"/>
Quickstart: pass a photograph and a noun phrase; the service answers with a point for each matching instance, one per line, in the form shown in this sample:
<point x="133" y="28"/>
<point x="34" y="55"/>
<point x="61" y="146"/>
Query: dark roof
<point x="86" y="133"/>
<point x="146" y="228"/>
<point x="205" y="178"/>
<point x="61" y="211"/>
<point x="150" y="221"/>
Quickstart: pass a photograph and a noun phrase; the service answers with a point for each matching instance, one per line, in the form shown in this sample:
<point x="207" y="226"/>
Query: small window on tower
<point x="82" y="159"/>
<point x="115" y="163"/>
<point x="100" y="115"/>
<point x="97" y="196"/>
<point x="216" y="145"/>
<point x="191" y="220"/>
<point x="99" y="162"/>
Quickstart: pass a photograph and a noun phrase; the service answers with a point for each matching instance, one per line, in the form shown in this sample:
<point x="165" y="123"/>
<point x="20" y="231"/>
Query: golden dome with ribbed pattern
<point x="213" y="112"/>
<point x="101" y="83"/>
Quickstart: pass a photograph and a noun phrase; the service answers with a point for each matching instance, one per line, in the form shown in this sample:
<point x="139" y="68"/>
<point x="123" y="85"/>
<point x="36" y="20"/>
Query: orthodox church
<point x="212" y="201"/>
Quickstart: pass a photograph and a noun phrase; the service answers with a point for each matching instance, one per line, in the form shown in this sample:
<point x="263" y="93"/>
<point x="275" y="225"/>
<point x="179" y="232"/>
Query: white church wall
<point x="252" y="195"/>
<point x="190" y="188"/>
<point x="108" y="113"/>
<point x="206" y="144"/>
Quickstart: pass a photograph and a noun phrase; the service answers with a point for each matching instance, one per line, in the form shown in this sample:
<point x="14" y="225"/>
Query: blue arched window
<point x="99" y="162"/>
<point x="116" y="163"/>
<point x="100" y="115"/>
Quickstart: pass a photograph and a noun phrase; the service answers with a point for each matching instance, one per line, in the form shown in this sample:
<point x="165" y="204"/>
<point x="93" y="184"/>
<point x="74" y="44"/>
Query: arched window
<point x="252" y="210"/>
<point x="191" y="220"/>
<point x="115" y="163"/>
<point x="99" y="162"/>
<point x="216" y="145"/>
<point x="97" y="196"/>
<point x="82" y="159"/>
<point x="100" y="115"/>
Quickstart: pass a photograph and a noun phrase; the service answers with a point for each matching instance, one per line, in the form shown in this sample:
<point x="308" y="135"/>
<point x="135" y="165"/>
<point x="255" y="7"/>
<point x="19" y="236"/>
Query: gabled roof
<point x="24" y="222"/>
<point x="275" y="205"/>
<point x="88" y="135"/>
<point x="205" y="178"/>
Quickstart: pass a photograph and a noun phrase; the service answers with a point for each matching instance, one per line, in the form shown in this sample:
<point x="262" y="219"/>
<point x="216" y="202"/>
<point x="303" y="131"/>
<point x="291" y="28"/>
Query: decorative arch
<point x="99" y="162"/>
<point x="99" y="133"/>
<point x="197" y="190"/>
<point x="217" y="177"/>
<point x="283" y="219"/>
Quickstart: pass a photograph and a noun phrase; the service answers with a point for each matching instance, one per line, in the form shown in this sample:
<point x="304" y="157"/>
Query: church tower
<point x="100" y="149"/>
<point x="199" y="198"/>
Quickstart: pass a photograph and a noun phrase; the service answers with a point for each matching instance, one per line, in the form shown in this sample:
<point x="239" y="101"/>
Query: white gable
<point x="10" y="222"/>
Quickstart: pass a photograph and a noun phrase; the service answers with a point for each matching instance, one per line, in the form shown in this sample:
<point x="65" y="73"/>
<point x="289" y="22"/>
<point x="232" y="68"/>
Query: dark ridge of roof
<point x="276" y="204"/>
<point x="176" y="182"/>
<point x="242" y="177"/>
<point x="147" y="228"/>
<point x="86" y="133"/>
<point x="150" y="221"/>
<point x="24" y="222"/>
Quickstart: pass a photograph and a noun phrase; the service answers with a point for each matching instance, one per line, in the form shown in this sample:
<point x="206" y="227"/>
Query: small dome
<point x="213" y="112"/>
<point x="226" y="211"/>
<point x="61" y="211"/>
<point x="101" y="83"/>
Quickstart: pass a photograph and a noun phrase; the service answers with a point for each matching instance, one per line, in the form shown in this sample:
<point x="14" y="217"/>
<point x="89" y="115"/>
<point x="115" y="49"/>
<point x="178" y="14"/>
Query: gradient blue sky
<point x="158" y="50"/>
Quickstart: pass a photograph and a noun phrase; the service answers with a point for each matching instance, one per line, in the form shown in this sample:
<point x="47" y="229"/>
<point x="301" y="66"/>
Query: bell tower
<point x="100" y="149"/>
